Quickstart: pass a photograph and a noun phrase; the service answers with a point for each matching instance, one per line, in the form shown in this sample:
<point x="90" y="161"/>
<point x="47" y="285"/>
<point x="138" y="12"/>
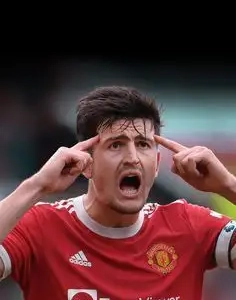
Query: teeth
<point x="132" y="175"/>
<point x="129" y="191"/>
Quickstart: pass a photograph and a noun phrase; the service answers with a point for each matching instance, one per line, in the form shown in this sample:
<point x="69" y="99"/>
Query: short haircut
<point x="103" y="106"/>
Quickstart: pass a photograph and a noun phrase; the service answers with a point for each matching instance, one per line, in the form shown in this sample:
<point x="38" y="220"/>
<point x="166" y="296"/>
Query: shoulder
<point x="174" y="215"/>
<point x="48" y="210"/>
<point x="152" y="209"/>
<point x="180" y="208"/>
<point x="64" y="204"/>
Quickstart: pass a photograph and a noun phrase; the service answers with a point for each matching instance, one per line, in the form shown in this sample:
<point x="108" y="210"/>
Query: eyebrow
<point x="125" y="137"/>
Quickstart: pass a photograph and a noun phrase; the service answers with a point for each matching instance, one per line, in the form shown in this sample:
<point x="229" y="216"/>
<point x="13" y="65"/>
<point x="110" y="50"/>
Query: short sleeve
<point x="20" y="249"/>
<point x="206" y="226"/>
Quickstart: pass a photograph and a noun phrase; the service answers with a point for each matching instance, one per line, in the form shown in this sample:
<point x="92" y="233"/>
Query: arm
<point x="229" y="192"/>
<point x="56" y="175"/>
<point x="208" y="229"/>
<point x="13" y="207"/>
<point x="200" y="168"/>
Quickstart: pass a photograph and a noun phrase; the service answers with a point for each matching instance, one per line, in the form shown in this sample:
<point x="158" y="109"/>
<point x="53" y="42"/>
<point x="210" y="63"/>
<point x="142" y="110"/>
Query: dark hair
<point x="105" y="105"/>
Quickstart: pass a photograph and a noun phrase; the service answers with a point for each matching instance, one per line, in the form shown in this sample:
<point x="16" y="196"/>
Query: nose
<point x="131" y="156"/>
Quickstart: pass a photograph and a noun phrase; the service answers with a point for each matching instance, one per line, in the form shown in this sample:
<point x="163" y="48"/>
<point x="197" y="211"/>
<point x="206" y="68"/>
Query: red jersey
<point x="58" y="252"/>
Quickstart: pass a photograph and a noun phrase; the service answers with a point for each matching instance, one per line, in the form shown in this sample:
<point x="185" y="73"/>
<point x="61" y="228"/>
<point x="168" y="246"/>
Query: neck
<point x="104" y="215"/>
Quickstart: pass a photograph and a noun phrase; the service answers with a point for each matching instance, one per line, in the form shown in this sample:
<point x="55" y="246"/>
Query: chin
<point x="128" y="207"/>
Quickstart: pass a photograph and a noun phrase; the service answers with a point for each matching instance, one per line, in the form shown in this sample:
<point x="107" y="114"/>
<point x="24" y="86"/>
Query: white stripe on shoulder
<point x="6" y="262"/>
<point x="67" y="204"/>
<point x="149" y="209"/>
<point x="178" y="201"/>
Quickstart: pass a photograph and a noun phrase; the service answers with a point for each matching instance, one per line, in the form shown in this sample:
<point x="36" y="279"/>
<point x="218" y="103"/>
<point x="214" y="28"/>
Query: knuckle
<point x="191" y="159"/>
<point x="207" y="151"/>
<point x="203" y="148"/>
<point x="198" y="149"/>
<point x="62" y="150"/>
<point x="176" y="157"/>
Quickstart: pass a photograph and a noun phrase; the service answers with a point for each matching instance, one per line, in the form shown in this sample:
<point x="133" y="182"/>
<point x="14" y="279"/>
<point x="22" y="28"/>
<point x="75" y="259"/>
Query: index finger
<point x="87" y="144"/>
<point x="169" y="144"/>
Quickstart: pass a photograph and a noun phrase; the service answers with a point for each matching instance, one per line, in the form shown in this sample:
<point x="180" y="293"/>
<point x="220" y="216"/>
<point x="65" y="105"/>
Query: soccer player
<point x="109" y="243"/>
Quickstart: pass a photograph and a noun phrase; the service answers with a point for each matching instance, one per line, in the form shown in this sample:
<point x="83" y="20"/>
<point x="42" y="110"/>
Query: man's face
<point x="125" y="164"/>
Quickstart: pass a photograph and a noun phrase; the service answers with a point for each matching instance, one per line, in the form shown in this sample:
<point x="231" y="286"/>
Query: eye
<point x="115" y="145"/>
<point x="143" y="145"/>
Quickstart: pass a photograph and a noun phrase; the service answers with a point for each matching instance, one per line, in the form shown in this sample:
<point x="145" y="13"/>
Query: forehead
<point x="129" y="128"/>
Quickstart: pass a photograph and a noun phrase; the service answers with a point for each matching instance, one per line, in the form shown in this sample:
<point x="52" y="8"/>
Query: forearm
<point x="229" y="192"/>
<point x="14" y="206"/>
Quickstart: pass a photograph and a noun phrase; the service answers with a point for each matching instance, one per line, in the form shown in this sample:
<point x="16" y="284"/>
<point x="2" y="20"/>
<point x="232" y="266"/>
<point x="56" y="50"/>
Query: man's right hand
<point x="59" y="172"/>
<point x="62" y="169"/>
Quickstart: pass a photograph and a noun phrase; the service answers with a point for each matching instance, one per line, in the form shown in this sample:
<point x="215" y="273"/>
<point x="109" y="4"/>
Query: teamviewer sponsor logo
<point x="158" y="298"/>
<point x="80" y="259"/>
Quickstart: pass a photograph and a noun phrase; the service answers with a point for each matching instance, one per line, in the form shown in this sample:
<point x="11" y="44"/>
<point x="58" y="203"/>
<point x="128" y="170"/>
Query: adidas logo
<point x="80" y="259"/>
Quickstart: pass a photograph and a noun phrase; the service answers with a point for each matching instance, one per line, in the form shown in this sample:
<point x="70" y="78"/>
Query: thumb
<point x="174" y="169"/>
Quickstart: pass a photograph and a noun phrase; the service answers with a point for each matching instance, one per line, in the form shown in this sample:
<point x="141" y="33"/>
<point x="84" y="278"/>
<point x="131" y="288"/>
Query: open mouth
<point x="129" y="185"/>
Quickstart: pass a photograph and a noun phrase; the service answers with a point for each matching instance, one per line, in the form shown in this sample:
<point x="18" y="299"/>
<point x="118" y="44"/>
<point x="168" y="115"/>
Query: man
<point x="108" y="243"/>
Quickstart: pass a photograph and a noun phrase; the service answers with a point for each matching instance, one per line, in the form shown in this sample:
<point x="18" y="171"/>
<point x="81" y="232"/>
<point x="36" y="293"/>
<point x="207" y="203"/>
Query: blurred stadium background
<point x="38" y="98"/>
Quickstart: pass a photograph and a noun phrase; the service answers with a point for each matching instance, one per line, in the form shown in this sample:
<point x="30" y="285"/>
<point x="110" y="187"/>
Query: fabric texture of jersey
<point x="58" y="252"/>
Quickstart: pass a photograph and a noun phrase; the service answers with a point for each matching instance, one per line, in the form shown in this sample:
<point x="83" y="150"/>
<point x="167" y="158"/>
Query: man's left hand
<point x="199" y="167"/>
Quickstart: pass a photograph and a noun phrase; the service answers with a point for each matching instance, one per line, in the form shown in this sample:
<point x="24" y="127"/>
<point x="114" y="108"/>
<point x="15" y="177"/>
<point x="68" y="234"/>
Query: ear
<point x="158" y="162"/>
